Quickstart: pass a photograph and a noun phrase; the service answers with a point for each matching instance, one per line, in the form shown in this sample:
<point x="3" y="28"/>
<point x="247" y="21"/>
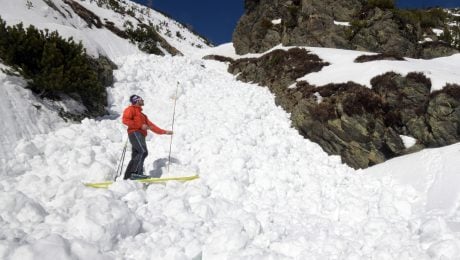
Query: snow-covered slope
<point x="433" y="172"/>
<point x="264" y="191"/>
<point x="22" y="117"/>
<point x="58" y="15"/>
<point x="342" y="68"/>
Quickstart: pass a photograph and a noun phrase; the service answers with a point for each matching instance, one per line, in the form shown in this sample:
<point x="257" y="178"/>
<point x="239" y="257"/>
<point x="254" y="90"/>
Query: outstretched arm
<point x="157" y="130"/>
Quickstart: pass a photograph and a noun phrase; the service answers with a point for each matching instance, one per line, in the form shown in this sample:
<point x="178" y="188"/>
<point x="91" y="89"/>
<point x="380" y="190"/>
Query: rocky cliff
<point x="365" y="126"/>
<point x="347" y="24"/>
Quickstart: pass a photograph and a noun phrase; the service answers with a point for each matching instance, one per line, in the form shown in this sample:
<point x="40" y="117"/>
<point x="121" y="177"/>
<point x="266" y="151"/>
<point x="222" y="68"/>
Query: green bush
<point x="51" y="64"/>
<point x="382" y="4"/>
<point x="146" y="38"/>
<point x="426" y="18"/>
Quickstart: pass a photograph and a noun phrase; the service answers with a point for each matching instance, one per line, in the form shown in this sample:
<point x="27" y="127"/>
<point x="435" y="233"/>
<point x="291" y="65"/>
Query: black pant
<point x="139" y="152"/>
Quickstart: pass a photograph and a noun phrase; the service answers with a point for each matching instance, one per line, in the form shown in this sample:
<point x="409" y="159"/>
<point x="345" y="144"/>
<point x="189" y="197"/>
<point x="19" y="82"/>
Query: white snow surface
<point x="438" y="32"/>
<point x="23" y="116"/>
<point x="342" y="68"/>
<point x="434" y="174"/>
<point x="342" y="23"/>
<point x="264" y="191"/>
<point x="97" y="41"/>
<point x="276" y="21"/>
<point x="408" y="141"/>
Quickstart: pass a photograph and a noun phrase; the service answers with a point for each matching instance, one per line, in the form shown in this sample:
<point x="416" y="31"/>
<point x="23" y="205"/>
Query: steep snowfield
<point x="18" y="107"/>
<point x="264" y="191"/>
<point x="97" y="41"/>
<point x="439" y="183"/>
<point x="22" y="116"/>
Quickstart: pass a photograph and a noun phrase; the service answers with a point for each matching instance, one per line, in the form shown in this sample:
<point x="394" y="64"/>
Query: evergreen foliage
<point x="51" y="64"/>
<point x="146" y="37"/>
<point x="382" y="4"/>
<point x="426" y="18"/>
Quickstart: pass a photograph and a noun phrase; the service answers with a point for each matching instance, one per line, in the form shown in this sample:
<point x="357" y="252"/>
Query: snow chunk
<point x="438" y="32"/>
<point x="277" y="21"/>
<point x="319" y="98"/>
<point x="342" y="23"/>
<point x="102" y="220"/>
<point x="408" y="141"/>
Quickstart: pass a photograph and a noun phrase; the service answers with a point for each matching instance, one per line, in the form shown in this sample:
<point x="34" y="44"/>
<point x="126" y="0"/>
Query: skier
<point x="138" y="124"/>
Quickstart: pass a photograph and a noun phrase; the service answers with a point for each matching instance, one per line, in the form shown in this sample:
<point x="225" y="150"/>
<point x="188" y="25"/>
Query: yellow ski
<point x="106" y="184"/>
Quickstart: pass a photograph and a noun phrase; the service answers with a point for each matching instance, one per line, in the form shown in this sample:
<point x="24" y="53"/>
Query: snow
<point x="264" y="191"/>
<point x="276" y="21"/>
<point x="408" y="141"/>
<point x="438" y="32"/>
<point x="342" y="23"/>
<point x="433" y="174"/>
<point x="97" y="41"/>
<point x="342" y="67"/>
<point x="23" y="116"/>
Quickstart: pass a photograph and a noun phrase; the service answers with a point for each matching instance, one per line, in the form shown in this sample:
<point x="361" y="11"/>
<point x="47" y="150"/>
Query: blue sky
<point x="216" y="19"/>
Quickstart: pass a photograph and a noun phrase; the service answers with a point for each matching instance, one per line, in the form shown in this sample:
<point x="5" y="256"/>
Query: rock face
<point x="317" y="23"/>
<point x="362" y="125"/>
<point x="277" y="69"/>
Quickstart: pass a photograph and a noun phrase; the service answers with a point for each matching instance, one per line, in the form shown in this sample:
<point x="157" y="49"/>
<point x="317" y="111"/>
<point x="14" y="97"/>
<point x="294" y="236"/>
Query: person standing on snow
<point x="138" y="124"/>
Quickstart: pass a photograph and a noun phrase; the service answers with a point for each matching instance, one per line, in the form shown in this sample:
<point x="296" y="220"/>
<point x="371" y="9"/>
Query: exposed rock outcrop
<point x="362" y="125"/>
<point x="267" y="23"/>
<point x="277" y="69"/>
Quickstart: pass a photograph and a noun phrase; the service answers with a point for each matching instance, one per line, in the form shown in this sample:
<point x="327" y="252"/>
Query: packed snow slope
<point x="23" y="115"/>
<point x="264" y="191"/>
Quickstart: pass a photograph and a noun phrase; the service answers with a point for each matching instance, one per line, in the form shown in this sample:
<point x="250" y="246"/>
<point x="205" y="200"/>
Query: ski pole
<point x="120" y="164"/>
<point x="172" y="127"/>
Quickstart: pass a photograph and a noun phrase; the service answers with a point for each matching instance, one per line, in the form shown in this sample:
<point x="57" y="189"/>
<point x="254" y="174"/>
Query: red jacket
<point x="134" y="119"/>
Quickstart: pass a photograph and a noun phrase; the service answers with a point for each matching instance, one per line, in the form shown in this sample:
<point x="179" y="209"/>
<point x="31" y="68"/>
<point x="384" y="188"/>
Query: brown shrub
<point x="278" y="67"/>
<point x="382" y="56"/>
<point x="323" y="112"/>
<point x="434" y="44"/>
<point x="111" y="26"/>
<point x="303" y="87"/>
<point x="419" y="77"/>
<point x="393" y="119"/>
<point x="385" y="81"/>
<point x="218" y="58"/>
<point x="336" y="89"/>
<point x="362" y="100"/>
<point x="452" y="90"/>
